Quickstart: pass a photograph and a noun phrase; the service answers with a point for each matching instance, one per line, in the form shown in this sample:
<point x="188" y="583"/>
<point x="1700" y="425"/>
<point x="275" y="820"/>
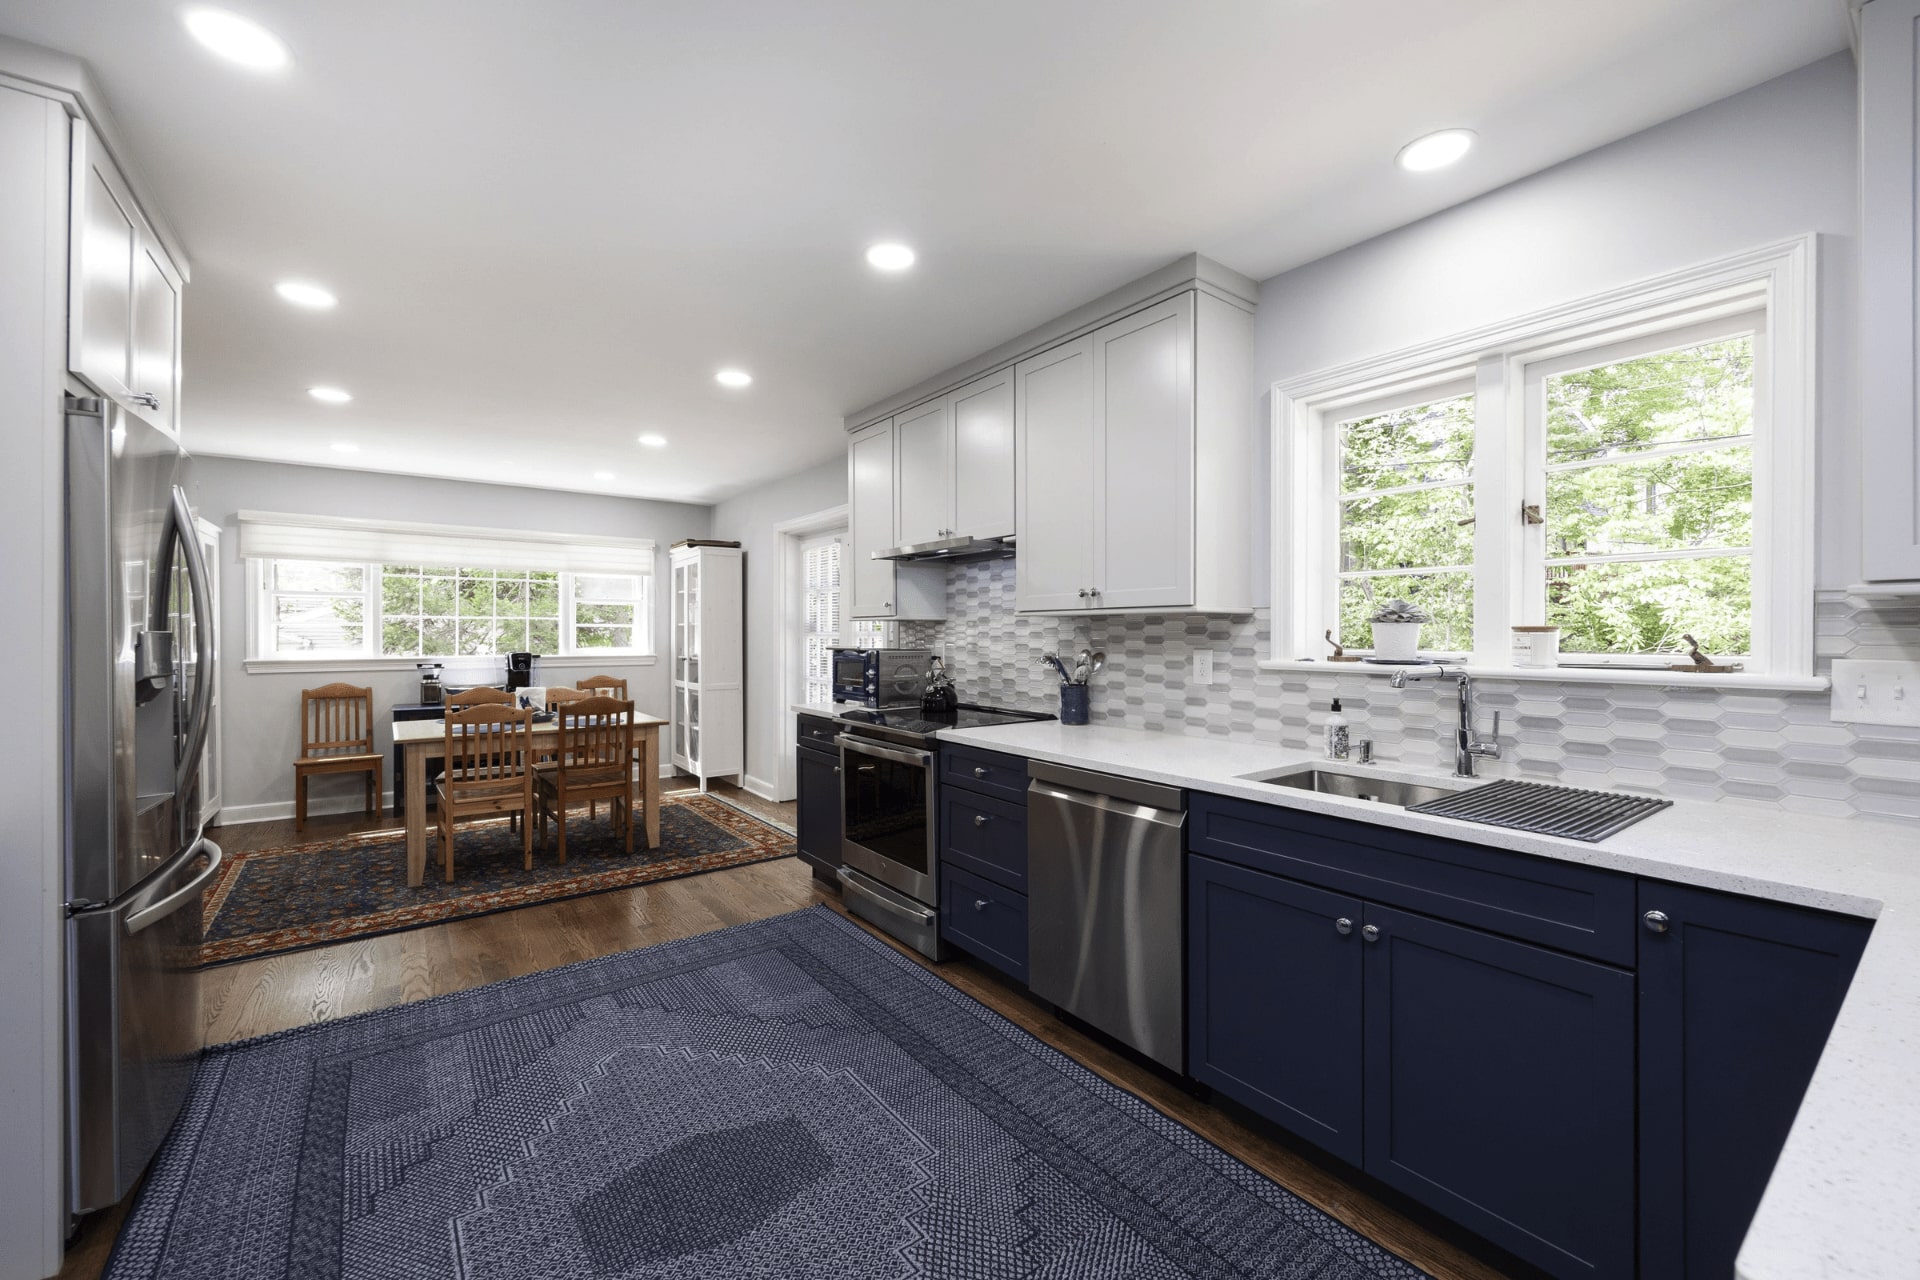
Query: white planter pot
<point x="1396" y="641"/>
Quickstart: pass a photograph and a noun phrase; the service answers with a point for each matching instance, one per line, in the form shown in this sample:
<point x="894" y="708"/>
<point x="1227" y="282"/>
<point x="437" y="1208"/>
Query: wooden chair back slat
<point x="489" y="742"/>
<point x="557" y="694"/>
<point x="336" y="720"/>
<point x="595" y="734"/>
<point x="481" y="698"/>
<point x="606" y="686"/>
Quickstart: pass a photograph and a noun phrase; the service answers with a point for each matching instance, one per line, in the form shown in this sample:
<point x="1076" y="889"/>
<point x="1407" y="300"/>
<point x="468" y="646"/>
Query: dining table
<point x="421" y="741"/>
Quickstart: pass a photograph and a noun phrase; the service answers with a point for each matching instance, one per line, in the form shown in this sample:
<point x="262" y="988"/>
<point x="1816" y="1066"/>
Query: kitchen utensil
<point x="1099" y="662"/>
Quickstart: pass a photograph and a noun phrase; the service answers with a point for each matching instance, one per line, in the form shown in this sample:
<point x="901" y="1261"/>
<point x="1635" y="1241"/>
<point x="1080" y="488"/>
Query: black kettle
<point x="940" y="696"/>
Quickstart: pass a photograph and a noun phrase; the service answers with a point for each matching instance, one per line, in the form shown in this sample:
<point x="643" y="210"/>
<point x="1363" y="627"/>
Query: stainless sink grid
<point x="1545" y="809"/>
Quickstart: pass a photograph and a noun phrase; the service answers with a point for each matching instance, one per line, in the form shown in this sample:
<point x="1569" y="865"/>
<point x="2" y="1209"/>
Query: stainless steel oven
<point x="887" y="825"/>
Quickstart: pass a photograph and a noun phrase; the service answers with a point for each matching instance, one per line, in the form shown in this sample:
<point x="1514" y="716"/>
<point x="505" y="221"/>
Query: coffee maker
<point x="520" y="670"/>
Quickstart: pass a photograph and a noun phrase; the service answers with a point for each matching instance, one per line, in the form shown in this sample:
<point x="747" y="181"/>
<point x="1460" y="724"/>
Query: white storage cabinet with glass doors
<point x="709" y="726"/>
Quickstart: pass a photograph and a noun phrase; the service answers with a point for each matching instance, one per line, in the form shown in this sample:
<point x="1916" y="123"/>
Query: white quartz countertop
<point x="1844" y="1200"/>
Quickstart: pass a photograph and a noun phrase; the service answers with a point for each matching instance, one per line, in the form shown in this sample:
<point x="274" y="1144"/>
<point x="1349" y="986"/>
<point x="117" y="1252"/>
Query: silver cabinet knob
<point x="979" y="772"/>
<point x="1371" y="932"/>
<point x="979" y="904"/>
<point x="836" y="768"/>
<point x="146" y="398"/>
<point x="1656" y="921"/>
<point x="979" y="819"/>
<point x="1343" y="926"/>
<point x="1083" y="593"/>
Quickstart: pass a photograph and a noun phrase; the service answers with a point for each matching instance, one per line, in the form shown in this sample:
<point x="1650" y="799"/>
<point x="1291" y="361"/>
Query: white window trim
<point x="1778" y="278"/>
<point x="259" y="594"/>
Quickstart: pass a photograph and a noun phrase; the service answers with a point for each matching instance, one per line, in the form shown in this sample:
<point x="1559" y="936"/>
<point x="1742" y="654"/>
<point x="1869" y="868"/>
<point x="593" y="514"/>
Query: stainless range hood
<point x="961" y="548"/>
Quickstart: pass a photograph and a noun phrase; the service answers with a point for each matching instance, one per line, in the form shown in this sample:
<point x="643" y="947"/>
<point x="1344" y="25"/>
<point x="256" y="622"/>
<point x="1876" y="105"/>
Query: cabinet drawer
<point x="984" y="920"/>
<point x="989" y="772"/>
<point x="1571" y="907"/>
<point x="818" y="731"/>
<point x="985" y="836"/>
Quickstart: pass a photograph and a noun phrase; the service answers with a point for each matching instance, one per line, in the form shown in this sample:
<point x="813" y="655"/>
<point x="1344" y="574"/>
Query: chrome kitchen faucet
<point x="1465" y="746"/>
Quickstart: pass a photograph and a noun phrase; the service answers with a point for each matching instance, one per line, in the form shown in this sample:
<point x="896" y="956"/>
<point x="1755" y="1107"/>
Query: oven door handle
<point x="900" y="755"/>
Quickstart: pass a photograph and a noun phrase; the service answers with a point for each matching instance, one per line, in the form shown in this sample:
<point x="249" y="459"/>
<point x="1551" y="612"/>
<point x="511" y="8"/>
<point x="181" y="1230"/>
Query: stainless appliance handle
<point x="1110" y="804"/>
<point x="200" y="591"/>
<point x="899" y="755"/>
<point x="918" y="914"/>
<point x="155" y="912"/>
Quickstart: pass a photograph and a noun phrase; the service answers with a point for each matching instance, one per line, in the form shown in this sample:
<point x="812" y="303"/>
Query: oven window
<point x="885" y="807"/>
<point x="850" y="670"/>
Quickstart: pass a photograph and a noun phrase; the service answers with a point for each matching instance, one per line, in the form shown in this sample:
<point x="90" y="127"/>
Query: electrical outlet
<point x="1203" y="666"/>
<point x="1876" y="692"/>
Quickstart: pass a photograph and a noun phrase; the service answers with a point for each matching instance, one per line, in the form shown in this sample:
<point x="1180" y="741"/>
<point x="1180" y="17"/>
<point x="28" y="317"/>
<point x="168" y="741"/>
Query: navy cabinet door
<point x="1736" y="999"/>
<point x="818" y="821"/>
<point x="1500" y="1089"/>
<point x="1274" y="999"/>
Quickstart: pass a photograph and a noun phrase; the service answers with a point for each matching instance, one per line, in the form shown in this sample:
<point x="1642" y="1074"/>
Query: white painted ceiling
<point x="549" y="223"/>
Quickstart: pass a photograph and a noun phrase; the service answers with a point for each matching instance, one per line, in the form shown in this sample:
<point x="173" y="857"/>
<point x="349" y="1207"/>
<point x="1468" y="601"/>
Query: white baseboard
<point x="762" y="788"/>
<point x="281" y="810"/>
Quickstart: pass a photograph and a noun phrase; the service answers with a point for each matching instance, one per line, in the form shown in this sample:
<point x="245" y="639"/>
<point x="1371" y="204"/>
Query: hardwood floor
<point x="253" y="997"/>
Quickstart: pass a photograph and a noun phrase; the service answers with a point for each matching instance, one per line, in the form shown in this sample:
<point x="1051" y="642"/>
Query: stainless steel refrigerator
<point x="139" y="692"/>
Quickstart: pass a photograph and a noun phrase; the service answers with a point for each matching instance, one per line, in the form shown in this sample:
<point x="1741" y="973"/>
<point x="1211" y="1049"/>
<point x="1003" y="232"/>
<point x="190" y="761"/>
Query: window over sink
<point x="1631" y="469"/>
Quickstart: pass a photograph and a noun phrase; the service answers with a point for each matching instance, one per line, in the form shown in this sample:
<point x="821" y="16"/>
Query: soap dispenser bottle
<point x="1336" y="733"/>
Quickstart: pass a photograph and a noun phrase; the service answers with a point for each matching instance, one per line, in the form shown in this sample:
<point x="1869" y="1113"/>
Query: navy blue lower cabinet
<point x="1500" y="1089"/>
<point x="1274" y="999"/>
<point x="817" y="816"/>
<point x="984" y="919"/>
<point x="1737" y="997"/>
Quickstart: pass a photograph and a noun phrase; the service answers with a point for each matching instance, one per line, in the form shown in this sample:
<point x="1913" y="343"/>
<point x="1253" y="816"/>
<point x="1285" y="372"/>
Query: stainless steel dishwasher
<point x="1104" y="905"/>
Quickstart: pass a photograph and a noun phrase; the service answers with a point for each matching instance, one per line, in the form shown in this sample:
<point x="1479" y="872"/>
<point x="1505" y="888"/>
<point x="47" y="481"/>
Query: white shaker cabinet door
<point x="923" y="483"/>
<point x="1056" y="443"/>
<point x="1143" y="400"/>
<point x="870" y="521"/>
<point x="155" y="384"/>
<point x="1890" y="289"/>
<point x="981" y="417"/>
<point x="105" y="236"/>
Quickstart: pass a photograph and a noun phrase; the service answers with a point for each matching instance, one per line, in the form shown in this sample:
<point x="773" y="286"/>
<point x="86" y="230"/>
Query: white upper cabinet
<point x="1890" y="290"/>
<point x="1055" y="439"/>
<point x="981" y="414"/>
<point x="123" y="336"/>
<point x="923" y="482"/>
<point x="1135" y="452"/>
<point x="880" y="588"/>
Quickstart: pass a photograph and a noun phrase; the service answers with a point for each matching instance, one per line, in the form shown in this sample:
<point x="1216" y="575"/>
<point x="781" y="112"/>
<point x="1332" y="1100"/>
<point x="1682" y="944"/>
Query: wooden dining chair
<point x="594" y="762"/>
<point x="489" y="771"/>
<point x="481" y="697"/>
<point x="605" y="687"/>
<point x="336" y="736"/>
<point x="559" y="693"/>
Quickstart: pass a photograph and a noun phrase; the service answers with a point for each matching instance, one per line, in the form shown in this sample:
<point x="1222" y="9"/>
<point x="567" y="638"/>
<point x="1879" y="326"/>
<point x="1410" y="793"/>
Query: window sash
<point x="634" y="590"/>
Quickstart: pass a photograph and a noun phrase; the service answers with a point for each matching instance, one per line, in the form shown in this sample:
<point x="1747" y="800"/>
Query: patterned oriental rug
<point x="789" y="1098"/>
<point x="308" y="895"/>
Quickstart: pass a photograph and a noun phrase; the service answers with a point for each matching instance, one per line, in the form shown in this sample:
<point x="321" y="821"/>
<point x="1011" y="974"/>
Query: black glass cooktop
<point x="925" y="724"/>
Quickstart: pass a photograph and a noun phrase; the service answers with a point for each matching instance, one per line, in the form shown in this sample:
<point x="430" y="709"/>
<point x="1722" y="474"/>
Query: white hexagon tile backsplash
<point x="1772" y="748"/>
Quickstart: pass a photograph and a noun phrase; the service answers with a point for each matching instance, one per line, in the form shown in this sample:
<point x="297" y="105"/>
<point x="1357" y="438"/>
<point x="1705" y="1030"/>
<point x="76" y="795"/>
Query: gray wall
<point x="753" y="519"/>
<point x="1774" y="162"/>
<point x="260" y="712"/>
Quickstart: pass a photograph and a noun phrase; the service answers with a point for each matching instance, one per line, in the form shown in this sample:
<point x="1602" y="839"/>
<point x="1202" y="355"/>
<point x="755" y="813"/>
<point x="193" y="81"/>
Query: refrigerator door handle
<point x="200" y="589"/>
<point x="155" y="912"/>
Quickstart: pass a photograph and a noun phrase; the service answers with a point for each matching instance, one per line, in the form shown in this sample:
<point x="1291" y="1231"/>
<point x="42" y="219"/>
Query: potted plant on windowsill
<point x="1396" y="631"/>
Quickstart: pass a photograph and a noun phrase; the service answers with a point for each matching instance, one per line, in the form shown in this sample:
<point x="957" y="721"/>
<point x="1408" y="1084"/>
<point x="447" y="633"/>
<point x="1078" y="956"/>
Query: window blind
<point x="267" y="535"/>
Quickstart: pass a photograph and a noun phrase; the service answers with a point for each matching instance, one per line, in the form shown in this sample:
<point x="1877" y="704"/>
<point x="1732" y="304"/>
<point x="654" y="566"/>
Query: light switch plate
<point x="1876" y="692"/>
<point x="1203" y="666"/>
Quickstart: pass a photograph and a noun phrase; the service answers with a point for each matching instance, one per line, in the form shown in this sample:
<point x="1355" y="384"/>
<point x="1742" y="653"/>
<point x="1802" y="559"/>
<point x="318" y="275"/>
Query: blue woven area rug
<point x="789" y="1098"/>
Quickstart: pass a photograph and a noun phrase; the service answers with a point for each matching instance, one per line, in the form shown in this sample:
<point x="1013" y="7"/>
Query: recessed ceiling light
<point x="733" y="377"/>
<point x="329" y="395"/>
<point x="345" y="446"/>
<point x="653" y="440"/>
<point x="302" y="294"/>
<point x="890" y="256"/>
<point x="237" y="39"/>
<point x="1436" y="150"/>
<point x="603" y="475"/>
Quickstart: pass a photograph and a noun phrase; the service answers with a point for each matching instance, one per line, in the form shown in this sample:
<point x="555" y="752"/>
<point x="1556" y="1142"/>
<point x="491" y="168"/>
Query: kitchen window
<point x="1631" y="469"/>
<point x="820" y="616"/>
<point x="543" y="594"/>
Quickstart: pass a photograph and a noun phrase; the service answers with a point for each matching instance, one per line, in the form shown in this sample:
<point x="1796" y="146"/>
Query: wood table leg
<point x="416" y="756"/>
<point x="650" y="783"/>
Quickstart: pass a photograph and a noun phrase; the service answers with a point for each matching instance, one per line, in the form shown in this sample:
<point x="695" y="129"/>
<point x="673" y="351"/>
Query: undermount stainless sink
<point x="1355" y="786"/>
